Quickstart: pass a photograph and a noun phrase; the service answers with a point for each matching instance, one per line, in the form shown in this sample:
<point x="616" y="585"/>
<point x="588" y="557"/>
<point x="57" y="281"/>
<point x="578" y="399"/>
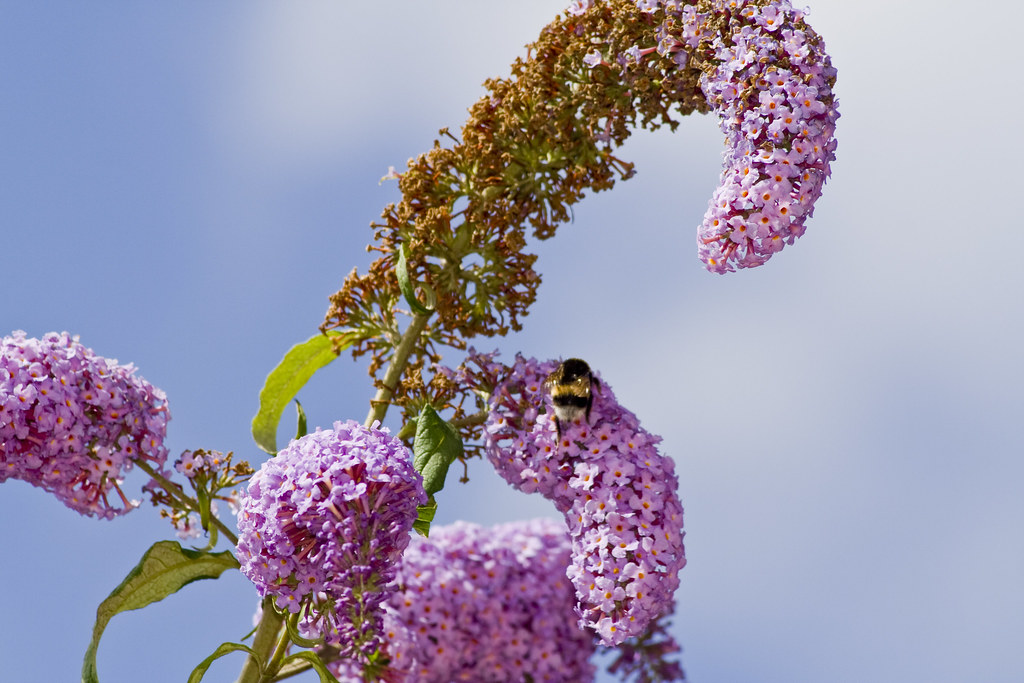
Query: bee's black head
<point x="573" y="369"/>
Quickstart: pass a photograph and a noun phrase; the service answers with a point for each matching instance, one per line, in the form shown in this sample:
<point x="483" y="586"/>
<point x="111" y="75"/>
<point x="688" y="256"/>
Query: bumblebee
<point x="571" y="387"/>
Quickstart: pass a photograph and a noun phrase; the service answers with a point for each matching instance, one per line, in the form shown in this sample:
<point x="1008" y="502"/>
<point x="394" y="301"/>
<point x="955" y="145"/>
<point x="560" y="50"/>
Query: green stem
<point x="406" y="345"/>
<point x="187" y="502"/>
<point x="282" y="649"/>
<point x="264" y="643"/>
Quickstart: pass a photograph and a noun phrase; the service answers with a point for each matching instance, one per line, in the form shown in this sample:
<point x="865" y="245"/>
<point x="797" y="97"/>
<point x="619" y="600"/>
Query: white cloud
<point x="305" y="81"/>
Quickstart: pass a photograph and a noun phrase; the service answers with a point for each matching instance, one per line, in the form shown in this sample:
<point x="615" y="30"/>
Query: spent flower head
<point x="74" y="423"/>
<point x="322" y="526"/>
<point x="534" y="145"/>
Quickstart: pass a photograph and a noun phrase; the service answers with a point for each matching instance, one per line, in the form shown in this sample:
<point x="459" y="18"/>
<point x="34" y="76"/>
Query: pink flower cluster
<point x="486" y="604"/>
<point x="323" y="525"/>
<point x="73" y="423"/>
<point x="771" y="86"/>
<point x="617" y="492"/>
<point x="773" y="93"/>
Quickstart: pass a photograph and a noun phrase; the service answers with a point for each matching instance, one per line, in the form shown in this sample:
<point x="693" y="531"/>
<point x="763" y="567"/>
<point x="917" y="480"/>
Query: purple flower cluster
<point x="73" y="423"/>
<point x="772" y="90"/>
<point x="486" y="604"/>
<point x="617" y="492"/>
<point x="323" y="524"/>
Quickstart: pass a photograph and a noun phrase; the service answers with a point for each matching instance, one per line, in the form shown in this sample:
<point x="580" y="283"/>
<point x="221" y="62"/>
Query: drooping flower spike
<point x="767" y="76"/>
<point x="323" y="525"/>
<point x="74" y="423"/>
<point x="618" y="494"/>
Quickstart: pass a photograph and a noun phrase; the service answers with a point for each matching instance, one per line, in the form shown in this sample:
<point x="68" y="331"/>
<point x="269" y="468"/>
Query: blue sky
<point x="184" y="184"/>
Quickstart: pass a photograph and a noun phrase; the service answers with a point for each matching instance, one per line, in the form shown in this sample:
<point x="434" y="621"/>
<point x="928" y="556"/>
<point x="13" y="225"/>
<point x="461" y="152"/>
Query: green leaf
<point x="284" y="381"/>
<point x="424" y="516"/>
<point x="435" y="448"/>
<point x="301" y="429"/>
<point x="405" y="284"/>
<point x="164" y="569"/>
<point x="224" y="649"/>
<point x="315" y="662"/>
